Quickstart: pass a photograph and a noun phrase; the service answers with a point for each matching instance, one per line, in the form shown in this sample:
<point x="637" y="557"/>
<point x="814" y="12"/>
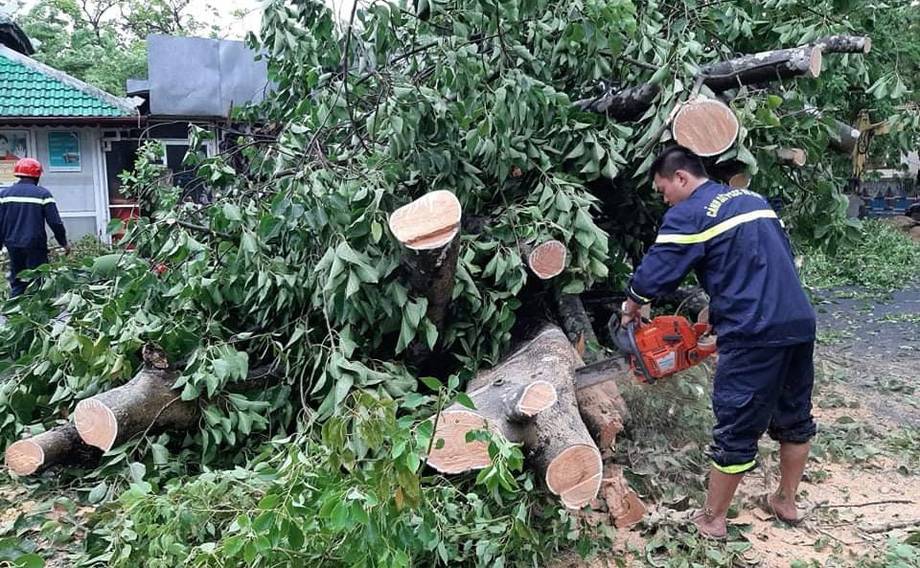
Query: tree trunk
<point x="622" y="105"/>
<point x="844" y="138"/>
<point x="528" y="398"/>
<point x="599" y="401"/>
<point x="845" y="44"/>
<point x="428" y="229"/>
<point x="763" y="67"/>
<point x="706" y="126"/>
<point x="546" y="260"/>
<point x="604" y="412"/>
<point x="146" y="402"/>
<point x="577" y="325"/>
<point x="58" y="445"/>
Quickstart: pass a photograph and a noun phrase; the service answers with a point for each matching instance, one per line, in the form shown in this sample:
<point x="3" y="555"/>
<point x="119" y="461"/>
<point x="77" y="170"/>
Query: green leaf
<point x="137" y="471"/>
<point x="29" y="561"/>
<point x="432" y="383"/>
<point x="465" y="400"/>
<point x="98" y="493"/>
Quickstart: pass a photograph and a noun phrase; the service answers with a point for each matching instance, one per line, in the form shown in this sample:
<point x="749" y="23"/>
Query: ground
<point x="862" y="481"/>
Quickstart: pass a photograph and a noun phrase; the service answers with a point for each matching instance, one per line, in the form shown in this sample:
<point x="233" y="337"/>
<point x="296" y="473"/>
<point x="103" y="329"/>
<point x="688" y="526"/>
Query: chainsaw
<point x="662" y="346"/>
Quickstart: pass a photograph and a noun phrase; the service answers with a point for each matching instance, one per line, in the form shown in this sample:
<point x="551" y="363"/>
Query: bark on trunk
<point x="528" y="398"/>
<point x="599" y="401"/>
<point x="58" y="445"/>
<point x="146" y="402"/>
<point x="763" y="67"/>
<point x="577" y="325"/>
<point x="706" y="126"/>
<point x="428" y="229"/>
<point x="844" y="138"/>
<point x="546" y="260"/>
<point x="845" y="44"/>
<point x="623" y="105"/>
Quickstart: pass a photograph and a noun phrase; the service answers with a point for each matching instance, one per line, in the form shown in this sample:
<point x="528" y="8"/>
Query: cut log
<point x="600" y="403"/>
<point x="763" y="67"/>
<point x="577" y="325"/>
<point x="845" y="44"/>
<point x="546" y="260"/>
<point x="793" y="156"/>
<point x="428" y="228"/>
<point x="146" y="402"/>
<point x="58" y="445"/>
<point x="623" y="504"/>
<point x="706" y="126"/>
<point x="741" y="180"/>
<point x="844" y="137"/>
<point x="527" y="398"/>
<point x="624" y="104"/>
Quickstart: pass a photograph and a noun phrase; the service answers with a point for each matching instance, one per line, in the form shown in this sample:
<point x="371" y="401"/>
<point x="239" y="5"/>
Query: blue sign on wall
<point x="64" y="151"/>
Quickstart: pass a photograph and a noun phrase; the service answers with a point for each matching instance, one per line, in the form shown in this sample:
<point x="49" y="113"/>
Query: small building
<point x="86" y="137"/>
<point x="60" y="120"/>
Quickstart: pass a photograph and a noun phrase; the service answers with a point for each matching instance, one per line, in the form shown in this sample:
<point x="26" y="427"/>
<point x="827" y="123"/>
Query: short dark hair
<point x="677" y="158"/>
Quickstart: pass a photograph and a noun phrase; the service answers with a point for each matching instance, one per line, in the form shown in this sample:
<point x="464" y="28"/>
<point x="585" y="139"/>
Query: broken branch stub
<point x="764" y="67"/>
<point x="428" y="229"/>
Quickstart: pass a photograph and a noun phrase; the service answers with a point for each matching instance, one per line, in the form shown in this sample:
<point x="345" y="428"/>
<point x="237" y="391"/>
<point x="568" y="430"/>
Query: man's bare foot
<point x="709" y="525"/>
<point x="783" y="508"/>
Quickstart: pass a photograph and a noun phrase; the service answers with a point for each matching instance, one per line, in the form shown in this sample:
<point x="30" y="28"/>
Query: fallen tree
<point x="565" y="415"/>
<point x="335" y="243"/>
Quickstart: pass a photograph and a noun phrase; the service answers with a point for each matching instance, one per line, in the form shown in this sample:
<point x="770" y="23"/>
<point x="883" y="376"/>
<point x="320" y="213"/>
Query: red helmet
<point x="28" y="167"/>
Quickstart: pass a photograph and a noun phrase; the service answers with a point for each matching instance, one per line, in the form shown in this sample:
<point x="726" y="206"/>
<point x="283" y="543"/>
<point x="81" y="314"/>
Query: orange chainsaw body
<point x="668" y="345"/>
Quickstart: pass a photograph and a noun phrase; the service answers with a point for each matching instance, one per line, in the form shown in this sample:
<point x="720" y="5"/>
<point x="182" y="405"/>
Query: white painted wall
<point x="77" y="193"/>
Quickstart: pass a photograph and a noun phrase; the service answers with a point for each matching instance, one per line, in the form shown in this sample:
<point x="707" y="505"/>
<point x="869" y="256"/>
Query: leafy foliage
<point x="882" y="258"/>
<point x="291" y="265"/>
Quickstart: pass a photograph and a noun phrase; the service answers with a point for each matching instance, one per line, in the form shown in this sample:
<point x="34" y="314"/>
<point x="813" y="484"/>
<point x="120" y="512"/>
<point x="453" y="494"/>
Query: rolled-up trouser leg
<point x="756" y="389"/>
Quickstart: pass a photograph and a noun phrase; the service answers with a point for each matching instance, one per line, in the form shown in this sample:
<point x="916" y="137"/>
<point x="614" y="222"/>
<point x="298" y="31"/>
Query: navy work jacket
<point x="25" y="207"/>
<point x="742" y="257"/>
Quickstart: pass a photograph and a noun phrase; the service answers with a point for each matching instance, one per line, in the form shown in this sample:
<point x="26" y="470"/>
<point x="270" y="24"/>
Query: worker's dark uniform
<point x="736" y="245"/>
<point x="25" y="207"/>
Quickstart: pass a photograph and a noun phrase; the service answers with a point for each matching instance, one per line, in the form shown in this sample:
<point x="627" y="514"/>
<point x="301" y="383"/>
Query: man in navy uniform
<point x="25" y="207"/>
<point x="765" y="324"/>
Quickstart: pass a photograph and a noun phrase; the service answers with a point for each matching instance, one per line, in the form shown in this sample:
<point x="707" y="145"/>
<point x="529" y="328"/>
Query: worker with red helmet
<point x="25" y="208"/>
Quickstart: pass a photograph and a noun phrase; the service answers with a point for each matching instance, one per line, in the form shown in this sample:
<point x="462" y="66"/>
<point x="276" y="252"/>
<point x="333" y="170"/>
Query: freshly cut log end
<point x="456" y="455"/>
<point x="706" y="126"/>
<point x="535" y="398"/>
<point x="740" y="180"/>
<point x="430" y="222"/>
<point x="25" y="457"/>
<point x="96" y="424"/>
<point x="547" y="260"/>
<point x="815" y="61"/>
<point x="58" y="445"/>
<point x="575" y="475"/>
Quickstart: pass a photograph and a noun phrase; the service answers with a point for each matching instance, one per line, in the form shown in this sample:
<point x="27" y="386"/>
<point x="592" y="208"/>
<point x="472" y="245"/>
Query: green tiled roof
<point x="31" y="89"/>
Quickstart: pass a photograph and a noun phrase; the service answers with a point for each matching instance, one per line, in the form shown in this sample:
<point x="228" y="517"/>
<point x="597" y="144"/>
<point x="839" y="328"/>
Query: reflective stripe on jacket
<point x="25" y="207"/>
<point x="741" y="255"/>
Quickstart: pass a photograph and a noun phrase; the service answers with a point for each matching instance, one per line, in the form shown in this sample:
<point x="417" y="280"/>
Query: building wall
<point x="80" y="195"/>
